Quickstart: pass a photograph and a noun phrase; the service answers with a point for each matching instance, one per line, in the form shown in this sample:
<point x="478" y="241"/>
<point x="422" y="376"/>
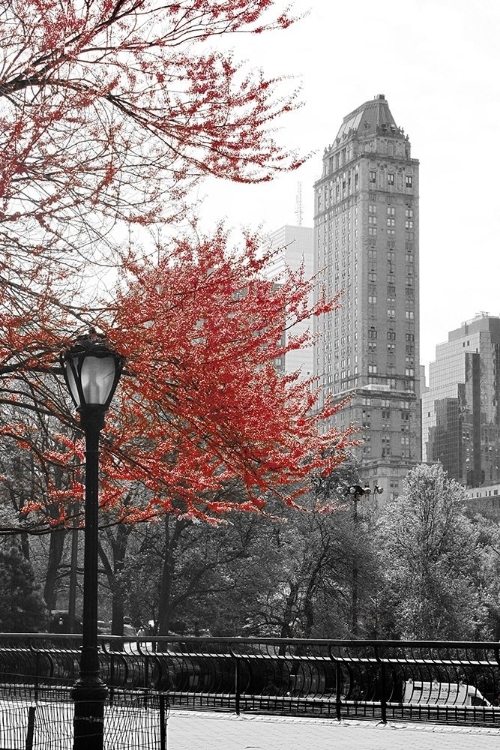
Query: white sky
<point x="438" y="64"/>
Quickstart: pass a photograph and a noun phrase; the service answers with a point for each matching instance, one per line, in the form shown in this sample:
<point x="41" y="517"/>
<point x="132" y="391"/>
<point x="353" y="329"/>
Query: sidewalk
<point x="200" y="731"/>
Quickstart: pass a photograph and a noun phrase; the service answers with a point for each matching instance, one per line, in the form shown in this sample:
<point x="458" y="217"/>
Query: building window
<point x="391" y="222"/>
<point x="372" y="208"/>
<point x="409" y="181"/>
<point x="409" y="213"/>
<point x="391" y="211"/>
<point x="408" y="224"/>
<point x="390" y="179"/>
<point x="373" y="176"/>
<point x="372" y="220"/>
<point x="391" y="313"/>
<point x="372" y="231"/>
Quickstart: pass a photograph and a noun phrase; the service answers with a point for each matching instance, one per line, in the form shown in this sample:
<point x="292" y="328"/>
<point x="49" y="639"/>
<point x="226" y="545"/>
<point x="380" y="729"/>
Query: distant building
<point x="484" y="500"/>
<point x="461" y="407"/>
<point x="294" y="246"/>
<point x="366" y="245"/>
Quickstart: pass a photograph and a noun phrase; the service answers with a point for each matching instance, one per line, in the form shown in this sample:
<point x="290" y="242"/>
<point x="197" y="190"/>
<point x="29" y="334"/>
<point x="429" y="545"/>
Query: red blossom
<point x="110" y="112"/>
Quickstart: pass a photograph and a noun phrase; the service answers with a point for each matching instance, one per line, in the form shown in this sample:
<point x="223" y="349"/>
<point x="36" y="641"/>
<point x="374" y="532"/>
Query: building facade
<point x="461" y="407"/>
<point x="366" y="246"/>
<point x="294" y="250"/>
<point x="484" y="500"/>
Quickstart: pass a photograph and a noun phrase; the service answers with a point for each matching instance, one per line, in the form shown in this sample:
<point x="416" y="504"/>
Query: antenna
<point x="298" y="204"/>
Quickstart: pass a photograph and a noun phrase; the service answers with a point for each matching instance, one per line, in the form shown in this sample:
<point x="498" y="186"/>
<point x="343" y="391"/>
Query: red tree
<point x="109" y="110"/>
<point x="111" y="107"/>
<point x="204" y="422"/>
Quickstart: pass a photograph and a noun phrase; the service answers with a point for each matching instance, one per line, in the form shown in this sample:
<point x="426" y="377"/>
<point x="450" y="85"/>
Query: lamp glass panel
<point x="97" y="378"/>
<point x="70" y="379"/>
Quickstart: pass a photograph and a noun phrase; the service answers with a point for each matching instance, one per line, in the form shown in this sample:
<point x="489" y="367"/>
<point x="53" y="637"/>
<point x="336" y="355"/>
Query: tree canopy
<point x="204" y="407"/>
<point x="109" y="104"/>
<point x="431" y="556"/>
<point x="23" y="609"/>
<point x="111" y="109"/>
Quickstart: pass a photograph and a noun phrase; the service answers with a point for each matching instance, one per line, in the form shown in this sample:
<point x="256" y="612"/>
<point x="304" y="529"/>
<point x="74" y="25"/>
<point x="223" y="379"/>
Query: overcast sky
<point x="438" y="64"/>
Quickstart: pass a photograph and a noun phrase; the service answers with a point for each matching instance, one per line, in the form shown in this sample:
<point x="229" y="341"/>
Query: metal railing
<point x="454" y="682"/>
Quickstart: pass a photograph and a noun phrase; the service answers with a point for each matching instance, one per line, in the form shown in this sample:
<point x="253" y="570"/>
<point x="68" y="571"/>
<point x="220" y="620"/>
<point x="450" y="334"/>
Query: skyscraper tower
<point x="366" y="246"/>
<point x="293" y="246"/>
<point x="461" y="407"/>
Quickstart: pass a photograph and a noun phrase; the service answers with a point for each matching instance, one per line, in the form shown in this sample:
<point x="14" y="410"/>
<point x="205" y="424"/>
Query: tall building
<point x="461" y="407"/>
<point x="294" y="250"/>
<point x="366" y="246"/>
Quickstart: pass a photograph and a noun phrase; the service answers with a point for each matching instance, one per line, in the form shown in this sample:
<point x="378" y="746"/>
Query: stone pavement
<point x="210" y="731"/>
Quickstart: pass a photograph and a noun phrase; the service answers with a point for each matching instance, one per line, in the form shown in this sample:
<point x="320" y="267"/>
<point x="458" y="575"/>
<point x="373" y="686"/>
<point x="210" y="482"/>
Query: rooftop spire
<point x="373" y="117"/>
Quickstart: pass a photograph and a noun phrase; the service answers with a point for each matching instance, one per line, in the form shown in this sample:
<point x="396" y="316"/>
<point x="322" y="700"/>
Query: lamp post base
<point x="89" y="695"/>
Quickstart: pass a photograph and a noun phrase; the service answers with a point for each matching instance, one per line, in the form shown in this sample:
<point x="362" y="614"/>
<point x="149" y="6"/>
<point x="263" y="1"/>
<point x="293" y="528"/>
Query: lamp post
<point x="357" y="492"/>
<point x="92" y="372"/>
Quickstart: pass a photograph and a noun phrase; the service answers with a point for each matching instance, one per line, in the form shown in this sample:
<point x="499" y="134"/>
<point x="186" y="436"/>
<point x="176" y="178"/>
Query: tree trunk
<point x="114" y="574"/>
<point x="172" y="538"/>
<point x="287" y="621"/>
<point x="56" y="547"/>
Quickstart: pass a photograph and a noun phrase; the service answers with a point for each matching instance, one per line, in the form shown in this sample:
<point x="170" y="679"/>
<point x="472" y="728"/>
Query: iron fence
<point x="453" y="682"/>
<point x="133" y="723"/>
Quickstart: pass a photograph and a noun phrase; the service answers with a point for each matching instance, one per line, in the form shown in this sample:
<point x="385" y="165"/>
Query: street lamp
<point x="357" y="492"/>
<point x="92" y="372"/>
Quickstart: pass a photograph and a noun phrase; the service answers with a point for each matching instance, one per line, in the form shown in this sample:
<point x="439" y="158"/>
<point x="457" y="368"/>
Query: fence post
<point x="31" y="727"/>
<point x="146" y="679"/>
<point x="237" y="695"/>
<point x="37" y="674"/>
<point x="338" y="685"/>
<point x="163" y="723"/>
<point x="383" y="702"/>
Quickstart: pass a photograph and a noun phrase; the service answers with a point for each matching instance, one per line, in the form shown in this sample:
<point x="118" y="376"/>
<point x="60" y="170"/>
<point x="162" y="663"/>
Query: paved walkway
<point x="200" y="731"/>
